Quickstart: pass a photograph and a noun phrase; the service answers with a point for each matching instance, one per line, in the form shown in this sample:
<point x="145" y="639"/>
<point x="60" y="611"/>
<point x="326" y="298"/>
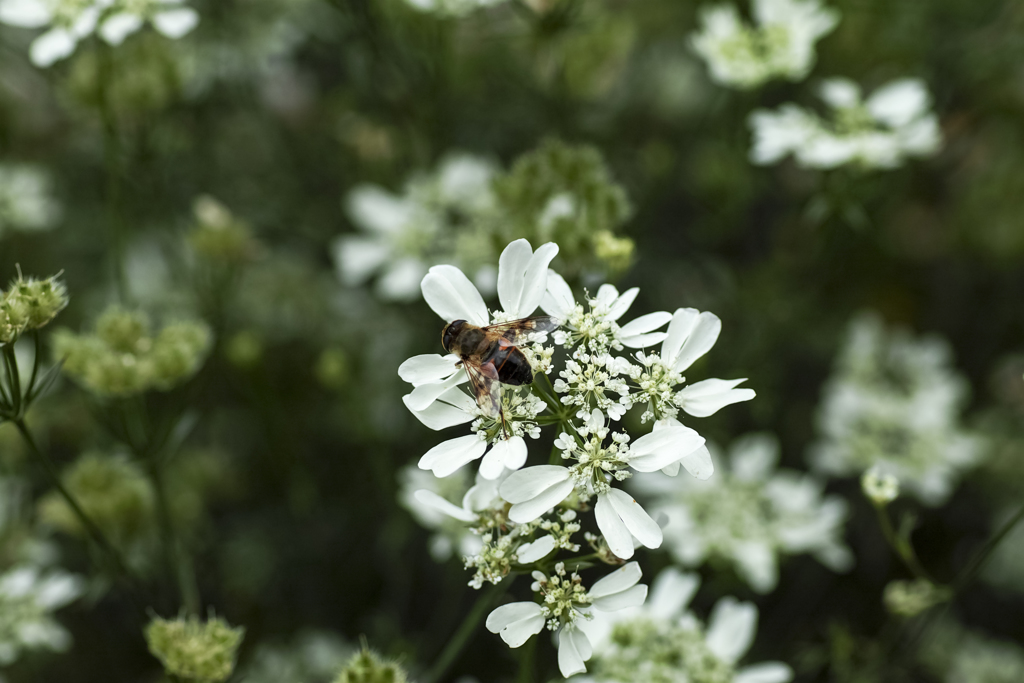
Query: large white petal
<point x="573" y="650"/>
<point x="435" y="501"/>
<point x="529" y="510"/>
<point x="699" y="463"/>
<point x="671" y="593"/>
<point x="662" y="447"/>
<point x="731" y="629"/>
<point x="531" y="552"/>
<point x="176" y="23"/>
<point x="623" y="578"/>
<point x="531" y="482"/>
<point x="705" y="398"/>
<point x="504" y="454"/>
<point x="357" y="257"/>
<point x="452" y="296"/>
<point x="636" y="519"/>
<point x="55" y="44"/>
<point x="516" y="622"/>
<point x="511" y="267"/>
<point x="622" y="303"/>
<point x="558" y="299"/>
<point x="535" y="279"/>
<point x="900" y="102"/>
<point x="119" y="26"/>
<point x="631" y="597"/>
<point x="768" y="672"/>
<point x="25" y="13"/>
<point x="448" y="456"/>
<point x="699" y="333"/>
<point x="619" y="540"/>
<point x="425" y="394"/>
<point x="644" y="324"/>
<point x="454" y="407"/>
<point x="377" y="210"/>
<point x="428" y="368"/>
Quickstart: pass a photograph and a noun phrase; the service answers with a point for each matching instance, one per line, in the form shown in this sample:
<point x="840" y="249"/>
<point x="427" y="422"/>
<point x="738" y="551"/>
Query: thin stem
<point x="95" y="533"/>
<point x="12" y="373"/>
<point x="37" y="353"/>
<point x="986" y="551"/>
<point x="177" y="561"/>
<point x="111" y="162"/>
<point x="901" y="546"/>
<point x="466" y="629"/>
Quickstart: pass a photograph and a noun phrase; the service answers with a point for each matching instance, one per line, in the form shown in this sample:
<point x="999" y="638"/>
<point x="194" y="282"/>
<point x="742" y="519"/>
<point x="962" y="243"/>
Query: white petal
<point x="756" y="563"/>
<point x="636" y="519"/>
<point x="754" y="457"/>
<point x="671" y="593"/>
<point x="427" y="368"/>
<point x="705" y="398"/>
<point x="613" y="529"/>
<point x="425" y="394"/>
<point x="573" y="650"/>
<point x="119" y="26"/>
<point x="622" y="303"/>
<point x="357" y="257"/>
<point x="55" y="44"/>
<point x="438" y="503"/>
<point x="632" y="597"/>
<point x="699" y="463"/>
<point x="558" y="299"/>
<point x="900" y="102"/>
<point x="25" y="13"/>
<point x="58" y="590"/>
<point x="662" y="447"/>
<point x="731" y="628"/>
<point x="699" y="333"/>
<point x="529" y="510"/>
<point x="643" y="341"/>
<point x="645" y="323"/>
<point x="504" y="454"/>
<point x="623" y="578"/>
<point x="531" y="552"/>
<point x="768" y="672"/>
<point x="452" y="296"/>
<point x="531" y="482"/>
<point x="400" y="280"/>
<point x="176" y="23"/>
<point x="454" y="407"/>
<point x="511" y="266"/>
<point x="535" y="279"/>
<point x="516" y="622"/>
<point x="448" y="456"/>
<point x="377" y="210"/>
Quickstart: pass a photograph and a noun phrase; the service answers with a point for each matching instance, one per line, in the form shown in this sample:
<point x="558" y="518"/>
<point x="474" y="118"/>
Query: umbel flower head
<point x="26" y="199"/>
<point x="193" y="649"/>
<point x="121" y="357"/>
<point x="70" y="21"/>
<point x="662" y="642"/>
<point x="893" y="401"/>
<point x="29" y="304"/>
<point x="779" y="45"/>
<point x="895" y="123"/>
<point x="750" y="514"/>
<point x="369" y="667"/>
<point x="28" y="598"/>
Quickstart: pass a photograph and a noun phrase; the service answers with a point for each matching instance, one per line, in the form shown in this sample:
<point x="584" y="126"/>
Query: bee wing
<point x="515" y="331"/>
<point x="483" y="379"/>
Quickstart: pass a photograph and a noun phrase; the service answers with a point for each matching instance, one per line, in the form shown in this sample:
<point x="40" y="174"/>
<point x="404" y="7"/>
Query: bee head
<point x="450" y="331"/>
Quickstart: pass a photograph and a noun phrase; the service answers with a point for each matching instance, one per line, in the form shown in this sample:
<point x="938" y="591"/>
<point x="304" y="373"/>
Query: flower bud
<point x="369" y="667"/>
<point x="39" y="301"/>
<point x="880" y="488"/>
<point x="191" y="649"/>
<point x="177" y="353"/>
<point x="125" y="331"/>
<point x="910" y="598"/>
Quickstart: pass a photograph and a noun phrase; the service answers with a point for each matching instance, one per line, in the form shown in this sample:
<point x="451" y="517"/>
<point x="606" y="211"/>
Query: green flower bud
<point x="194" y="650"/>
<point x="218" y="235"/>
<point x="113" y="492"/>
<point x="177" y="353"/>
<point x="615" y="252"/>
<point x="14" y="316"/>
<point x="369" y="667"/>
<point x="37" y="301"/>
<point x="910" y="598"/>
<point x="125" y="331"/>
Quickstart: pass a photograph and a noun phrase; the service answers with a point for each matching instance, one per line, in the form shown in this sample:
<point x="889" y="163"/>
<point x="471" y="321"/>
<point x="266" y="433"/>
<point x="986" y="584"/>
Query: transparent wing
<point x="515" y="331"/>
<point x="483" y="380"/>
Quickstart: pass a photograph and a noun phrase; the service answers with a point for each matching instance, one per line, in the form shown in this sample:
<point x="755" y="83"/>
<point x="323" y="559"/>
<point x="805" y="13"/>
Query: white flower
<point x="452" y="8"/>
<point x="749" y="515"/>
<point x="403" y="234"/>
<point x="781" y="45"/>
<point x="27" y="600"/>
<point x="895" y="123"/>
<point x="880" y="488"/>
<point x="428" y="499"/>
<point x="169" y="17"/>
<point x="566" y="605"/>
<point x="26" y="198"/>
<point x="894" y="401"/>
<point x="661" y="640"/>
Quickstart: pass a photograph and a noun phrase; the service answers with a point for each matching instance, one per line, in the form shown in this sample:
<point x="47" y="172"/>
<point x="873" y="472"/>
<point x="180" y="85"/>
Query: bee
<point x="490" y="356"/>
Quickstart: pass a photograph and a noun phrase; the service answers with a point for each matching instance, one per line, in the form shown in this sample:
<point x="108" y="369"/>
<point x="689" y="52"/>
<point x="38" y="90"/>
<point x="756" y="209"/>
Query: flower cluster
<point x="662" y="642"/>
<point x="26" y="199"/>
<point x="780" y="45"/>
<point x="750" y="514"/>
<point x="525" y="516"/>
<point x="70" y="21"/>
<point x="368" y="667"/>
<point x="193" y="649"/>
<point x="28" y="598"/>
<point x="893" y="124"/>
<point x="312" y="656"/>
<point x="29" y="304"/>
<point x="121" y="357"/>
<point x="894" y="401"/>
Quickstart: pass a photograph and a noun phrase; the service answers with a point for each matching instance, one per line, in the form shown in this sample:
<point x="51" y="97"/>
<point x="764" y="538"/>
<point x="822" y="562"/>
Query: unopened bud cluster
<point x="194" y="650"/>
<point x="29" y="304"/>
<point x="368" y="667"/>
<point x="121" y="357"/>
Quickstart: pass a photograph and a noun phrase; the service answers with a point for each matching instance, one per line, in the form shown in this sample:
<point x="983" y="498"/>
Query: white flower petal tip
<point x="768" y="672"/>
<point x="702" y="399"/>
<point x="438" y="503"/>
<point x="619" y="590"/>
<point x="448" y="457"/>
<point x="522" y="276"/>
<point x="176" y="23"/>
<point x="731" y="629"/>
<point x="574" y="649"/>
<point x="663" y="447"/>
<point x="620" y="518"/>
<point x="536" y="550"/>
<point x="535" y="490"/>
<point x="451" y="295"/>
<point x="516" y="622"/>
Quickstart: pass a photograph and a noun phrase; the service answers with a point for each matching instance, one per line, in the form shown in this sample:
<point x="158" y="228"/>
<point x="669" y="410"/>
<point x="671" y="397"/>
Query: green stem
<point x="37" y="346"/>
<point x="986" y="551"/>
<point x="111" y="162"/>
<point x="94" y="532"/>
<point x="526" y="662"/>
<point x="901" y="546"/>
<point x="466" y="630"/>
<point x="13" y="376"/>
<point x="178" y="563"/>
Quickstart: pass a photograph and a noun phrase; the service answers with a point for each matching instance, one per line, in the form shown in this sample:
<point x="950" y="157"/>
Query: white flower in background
<point x="434" y="220"/>
<point x="749" y="515"/>
<point x="955" y="654"/>
<point x="780" y="45"/>
<point x="892" y="125"/>
<point x="522" y="279"/>
<point x="70" y="21"/>
<point x="312" y="656"/>
<point x="565" y="606"/>
<point x="26" y="199"/>
<point x="662" y="642"/>
<point x="416" y="493"/>
<point x="894" y="401"/>
<point x="453" y="8"/>
<point x="879" y="487"/>
<point x="28" y="598"/>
